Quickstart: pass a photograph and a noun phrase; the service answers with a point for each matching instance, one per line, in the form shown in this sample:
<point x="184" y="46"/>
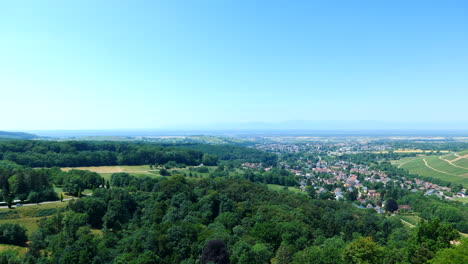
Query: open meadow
<point x="29" y="216"/>
<point x="139" y="171"/>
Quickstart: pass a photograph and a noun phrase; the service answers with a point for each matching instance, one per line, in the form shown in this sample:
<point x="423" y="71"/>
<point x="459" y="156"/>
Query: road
<point x="33" y="204"/>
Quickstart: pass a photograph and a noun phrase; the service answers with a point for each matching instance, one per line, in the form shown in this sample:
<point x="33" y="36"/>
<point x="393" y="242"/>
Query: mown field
<point x="137" y="171"/>
<point x="451" y="167"/>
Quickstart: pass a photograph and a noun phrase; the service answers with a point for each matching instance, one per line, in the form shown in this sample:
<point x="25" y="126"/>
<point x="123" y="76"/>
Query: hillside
<point x="16" y="135"/>
<point x="451" y="167"/>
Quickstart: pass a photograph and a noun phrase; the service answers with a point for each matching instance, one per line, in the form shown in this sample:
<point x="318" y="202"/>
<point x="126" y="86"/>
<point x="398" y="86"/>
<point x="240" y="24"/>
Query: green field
<point x="137" y="171"/>
<point x="29" y="216"/>
<point x="438" y="167"/>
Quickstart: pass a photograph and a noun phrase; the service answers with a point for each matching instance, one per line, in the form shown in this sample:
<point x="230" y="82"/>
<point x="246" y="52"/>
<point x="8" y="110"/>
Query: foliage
<point x="363" y="251"/>
<point x="12" y="234"/>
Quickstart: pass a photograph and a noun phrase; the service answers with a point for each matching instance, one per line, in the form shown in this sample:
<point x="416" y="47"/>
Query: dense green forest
<point x="234" y="153"/>
<point x="228" y="221"/>
<point x="90" y="153"/>
<point x="18" y="182"/>
<point x="228" y="216"/>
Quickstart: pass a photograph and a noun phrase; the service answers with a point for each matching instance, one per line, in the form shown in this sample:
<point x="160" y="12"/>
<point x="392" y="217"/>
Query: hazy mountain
<point x="339" y="125"/>
<point x="16" y="135"/>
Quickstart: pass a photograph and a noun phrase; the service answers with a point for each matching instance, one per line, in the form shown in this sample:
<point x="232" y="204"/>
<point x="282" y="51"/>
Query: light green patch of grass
<point x="413" y="219"/>
<point x="460" y="199"/>
<point x="20" y="251"/>
<point x="29" y="223"/>
<point x="139" y="171"/>
<point x="444" y="166"/>
<point x="59" y="190"/>
<point x="461" y="163"/>
<point x="29" y="216"/>
<point x="277" y="187"/>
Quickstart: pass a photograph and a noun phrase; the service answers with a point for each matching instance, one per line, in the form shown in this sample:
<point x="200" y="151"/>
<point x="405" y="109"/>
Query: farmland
<point x="137" y="171"/>
<point x="451" y="167"/>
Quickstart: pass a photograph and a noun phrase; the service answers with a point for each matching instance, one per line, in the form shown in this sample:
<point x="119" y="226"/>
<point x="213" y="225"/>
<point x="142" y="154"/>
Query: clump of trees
<point x="89" y="153"/>
<point x="22" y="183"/>
<point x="12" y="234"/>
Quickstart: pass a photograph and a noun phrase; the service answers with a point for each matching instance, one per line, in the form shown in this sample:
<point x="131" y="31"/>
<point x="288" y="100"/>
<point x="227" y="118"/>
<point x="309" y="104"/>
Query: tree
<point x="363" y="251"/>
<point x="391" y="205"/>
<point x="215" y="252"/>
<point x="73" y="184"/>
<point x="21" y="187"/>
<point x="61" y="197"/>
<point x="284" y="254"/>
<point x="311" y="192"/>
<point x="432" y="236"/>
<point x="164" y="172"/>
<point x="454" y="255"/>
<point x="12" y="234"/>
<point x="209" y="160"/>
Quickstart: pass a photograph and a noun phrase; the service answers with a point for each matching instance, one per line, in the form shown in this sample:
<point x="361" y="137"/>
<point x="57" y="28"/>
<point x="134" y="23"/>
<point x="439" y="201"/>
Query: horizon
<point x="165" y="65"/>
<point x="288" y="125"/>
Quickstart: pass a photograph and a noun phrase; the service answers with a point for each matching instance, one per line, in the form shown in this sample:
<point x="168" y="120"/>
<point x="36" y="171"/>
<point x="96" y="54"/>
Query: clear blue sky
<point x="155" y="64"/>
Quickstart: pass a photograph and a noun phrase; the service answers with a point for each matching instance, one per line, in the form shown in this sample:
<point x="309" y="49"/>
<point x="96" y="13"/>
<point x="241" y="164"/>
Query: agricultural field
<point x="137" y="171"/>
<point x="413" y="151"/>
<point x="451" y="167"/>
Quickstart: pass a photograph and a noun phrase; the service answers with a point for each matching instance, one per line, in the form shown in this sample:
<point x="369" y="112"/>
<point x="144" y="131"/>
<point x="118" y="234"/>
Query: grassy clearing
<point x="29" y="216"/>
<point x="112" y="169"/>
<point x="460" y="199"/>
<point x="277" y="187"/>
<point x="59" y="190"/>
<point x="18" y="250"/>
<point x="413" y="219"/>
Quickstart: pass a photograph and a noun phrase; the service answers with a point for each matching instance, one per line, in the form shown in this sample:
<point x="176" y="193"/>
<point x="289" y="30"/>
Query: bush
<point x="12" y="234"/>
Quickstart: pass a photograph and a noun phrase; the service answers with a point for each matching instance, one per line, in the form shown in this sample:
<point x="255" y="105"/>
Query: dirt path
<point x="427" y="165"/>
<point x="407" y="223"/>
<point x="450" y="162"/>
<point x="405" y="163"/>
<point x="460" y="157"/>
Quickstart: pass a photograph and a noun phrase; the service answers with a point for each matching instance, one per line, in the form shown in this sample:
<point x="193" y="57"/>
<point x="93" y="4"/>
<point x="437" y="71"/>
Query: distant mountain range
<point x="16" y="135"/>
<point x="341" y="125"/>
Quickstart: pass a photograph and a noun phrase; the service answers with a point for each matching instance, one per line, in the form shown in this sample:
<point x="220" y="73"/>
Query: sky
<point x="164" y="64"/>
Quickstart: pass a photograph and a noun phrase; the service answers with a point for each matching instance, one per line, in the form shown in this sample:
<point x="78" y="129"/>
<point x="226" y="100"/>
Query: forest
<point x="95" y="153"/>
<point x="224" y="221"/>
<point x="229" y="216"/>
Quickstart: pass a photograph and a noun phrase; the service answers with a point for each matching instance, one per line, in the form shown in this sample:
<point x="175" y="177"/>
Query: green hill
<point x="452" y="167"/>
<point x="16" y="135"/>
